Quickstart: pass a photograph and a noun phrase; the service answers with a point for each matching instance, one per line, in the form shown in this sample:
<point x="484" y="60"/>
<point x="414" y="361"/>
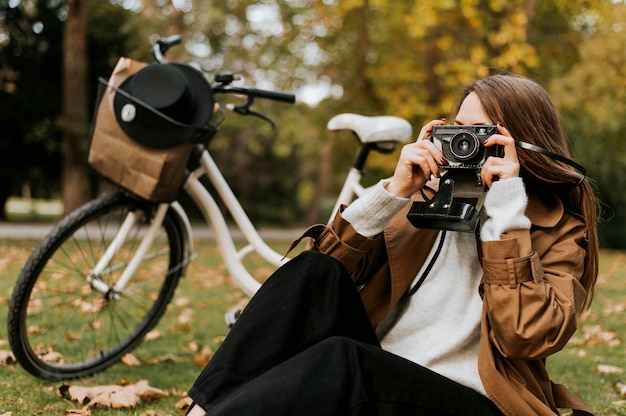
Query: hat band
<point x="207" y="127"/>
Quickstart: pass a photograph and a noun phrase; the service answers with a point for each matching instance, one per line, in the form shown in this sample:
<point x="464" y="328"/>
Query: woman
<point x="472" y="336"/>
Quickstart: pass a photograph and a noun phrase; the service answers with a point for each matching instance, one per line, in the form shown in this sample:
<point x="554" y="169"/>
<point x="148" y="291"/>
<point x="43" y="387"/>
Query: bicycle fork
<point x="131" y="267"/>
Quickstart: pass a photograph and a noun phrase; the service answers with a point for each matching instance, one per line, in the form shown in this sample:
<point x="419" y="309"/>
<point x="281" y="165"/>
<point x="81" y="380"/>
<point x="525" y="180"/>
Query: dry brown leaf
<point x="6" y="358"/>
<point x="609" y="369"/>
<point x="203" y="358"/>
<point x="46" y="353"/>
<point x="152" y="335"/>
<point x="182" y="302"/>
<point x="143" y="390"/>
<point x="79" y="394"/>
<point x="168" y="358"/>
<point x="73" y="337"/>
<point x="614" y="309"/>
<point x="7" y="414"/>
<point x="113" y="396"/>
<point x="184" y="403"/>
<point x="123" y="382"/>
<point x="130" y="360"/>
<point x="78" y="412"/>
<point x="595" y="335"/>
<point x="218" y="340"/>
<point x="102" y="400"/>
<point x="123" y="399"/>
<point x="185" y="316"/>
<point x="621" y="388"/>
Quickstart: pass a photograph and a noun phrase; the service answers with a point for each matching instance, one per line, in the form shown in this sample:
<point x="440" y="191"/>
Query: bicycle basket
<point x="137" y="139"/>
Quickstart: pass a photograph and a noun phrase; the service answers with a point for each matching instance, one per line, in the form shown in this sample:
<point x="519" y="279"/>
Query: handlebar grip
<point x="273" y="95"/>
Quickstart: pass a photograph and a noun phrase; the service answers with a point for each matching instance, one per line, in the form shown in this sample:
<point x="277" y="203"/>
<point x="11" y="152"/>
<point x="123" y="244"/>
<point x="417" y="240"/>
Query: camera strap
<point x="429" y="267"/>
<point x="533" y="148"/>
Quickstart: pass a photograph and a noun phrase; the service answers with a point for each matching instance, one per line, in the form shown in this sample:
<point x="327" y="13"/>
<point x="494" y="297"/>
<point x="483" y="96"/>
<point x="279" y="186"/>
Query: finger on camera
<point x="428" y="128"/>
<point x="499" y="139"/>
<point x="421" y="159"/>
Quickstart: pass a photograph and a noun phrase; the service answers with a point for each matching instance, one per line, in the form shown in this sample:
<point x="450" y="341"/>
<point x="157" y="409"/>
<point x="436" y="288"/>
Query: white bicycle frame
<point x="369" y="131"/>
<point x="232" y="256"/>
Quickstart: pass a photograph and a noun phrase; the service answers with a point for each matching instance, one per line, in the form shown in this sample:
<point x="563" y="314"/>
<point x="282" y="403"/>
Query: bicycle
<point x="104" y="275"/>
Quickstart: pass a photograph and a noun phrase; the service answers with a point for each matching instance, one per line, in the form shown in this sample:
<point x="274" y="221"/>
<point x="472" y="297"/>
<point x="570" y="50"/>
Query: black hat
<point x="163" y="105"/>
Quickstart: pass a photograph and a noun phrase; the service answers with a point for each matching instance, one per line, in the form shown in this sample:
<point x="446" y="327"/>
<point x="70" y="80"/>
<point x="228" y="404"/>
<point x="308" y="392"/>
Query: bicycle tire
<point x="59" y="326"/>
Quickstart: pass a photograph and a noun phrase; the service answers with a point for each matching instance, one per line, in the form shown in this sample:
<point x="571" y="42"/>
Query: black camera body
<point x="462" y="146"/>
<point x="457" y="204"/>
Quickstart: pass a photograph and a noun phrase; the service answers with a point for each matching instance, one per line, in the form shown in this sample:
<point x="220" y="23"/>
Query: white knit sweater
<point x="439" y="326"/>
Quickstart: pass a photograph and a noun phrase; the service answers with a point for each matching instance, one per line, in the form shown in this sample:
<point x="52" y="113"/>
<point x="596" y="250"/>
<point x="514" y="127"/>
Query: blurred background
<point x="373" y="57"/>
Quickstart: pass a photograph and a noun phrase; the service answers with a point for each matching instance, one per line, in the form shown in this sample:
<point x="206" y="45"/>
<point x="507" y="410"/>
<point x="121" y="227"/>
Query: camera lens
<point x="464" y="145"/>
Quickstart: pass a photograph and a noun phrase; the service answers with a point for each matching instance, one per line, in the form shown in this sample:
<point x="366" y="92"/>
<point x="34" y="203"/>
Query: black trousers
<point x="304" y="346"/>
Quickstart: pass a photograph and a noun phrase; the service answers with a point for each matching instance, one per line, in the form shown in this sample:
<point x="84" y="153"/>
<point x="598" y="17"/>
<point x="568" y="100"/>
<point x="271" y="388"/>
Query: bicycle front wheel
<point x="60" y="324"/>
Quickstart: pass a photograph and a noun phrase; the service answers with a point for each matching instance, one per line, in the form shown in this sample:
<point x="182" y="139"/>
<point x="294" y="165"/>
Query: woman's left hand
<point x="500" y="168"/>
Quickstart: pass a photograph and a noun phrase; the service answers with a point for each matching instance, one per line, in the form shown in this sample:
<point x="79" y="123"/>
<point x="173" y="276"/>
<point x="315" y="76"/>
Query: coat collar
<point x="544" y="214"/>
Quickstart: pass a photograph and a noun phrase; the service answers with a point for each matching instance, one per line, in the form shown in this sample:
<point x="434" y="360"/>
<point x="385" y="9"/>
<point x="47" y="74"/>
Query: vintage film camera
<point x="456" y="205"/>
<point x="462" y="145"/>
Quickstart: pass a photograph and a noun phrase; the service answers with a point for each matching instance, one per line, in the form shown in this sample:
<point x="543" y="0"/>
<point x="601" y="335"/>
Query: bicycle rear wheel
<point x="59" y="325"/>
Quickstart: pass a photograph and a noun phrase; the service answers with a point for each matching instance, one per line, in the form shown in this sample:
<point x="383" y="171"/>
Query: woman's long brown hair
<point x="529" y="114"/>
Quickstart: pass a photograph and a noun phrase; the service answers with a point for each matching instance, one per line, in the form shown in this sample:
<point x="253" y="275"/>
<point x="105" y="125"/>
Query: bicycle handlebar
<point x="224" y="79"/>
<point x="286" y="97"/>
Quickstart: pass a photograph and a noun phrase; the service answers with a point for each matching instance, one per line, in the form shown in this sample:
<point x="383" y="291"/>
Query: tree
<point x="29" y="75"/>
<point x="592" y="97"/>
<point x="75" y="117"/>
<point x="30" y="88"/>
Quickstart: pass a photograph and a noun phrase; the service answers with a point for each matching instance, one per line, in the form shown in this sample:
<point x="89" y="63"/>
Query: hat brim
<point x="150" y="129"/>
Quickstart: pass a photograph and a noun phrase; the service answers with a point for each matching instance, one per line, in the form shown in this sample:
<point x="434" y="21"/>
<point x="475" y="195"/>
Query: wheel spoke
<point x="59" y="326"/>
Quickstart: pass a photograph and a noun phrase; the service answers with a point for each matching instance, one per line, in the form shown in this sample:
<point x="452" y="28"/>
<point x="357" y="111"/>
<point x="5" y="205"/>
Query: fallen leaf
<point x="609" y="369"/>
<point x="152" y="335"/>
<point x="78" y="412"/>
<point x="123" y="382"/>
<point x="142" y="389"/>
<point x="595" y="335"/>
<point x="185" y="316"/>
<point x="184" y="403"/>
<point x="168" y="358"/>
<point x="103" y="399"/>
<point x="182" y="301"/>
<point x="203" y="358"/>
<point x="46" y="353"/>
<point x="123" y="399"/>
<point x="6" y="358"/>
<point x="621" y="388"/>
<point x="130" y="360"/>
<point x="112" y="396"/>
<point x="79" y="394"/>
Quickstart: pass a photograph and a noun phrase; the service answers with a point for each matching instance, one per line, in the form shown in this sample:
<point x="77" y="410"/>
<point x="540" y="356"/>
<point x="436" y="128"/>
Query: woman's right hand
<point x="417" y="162"/>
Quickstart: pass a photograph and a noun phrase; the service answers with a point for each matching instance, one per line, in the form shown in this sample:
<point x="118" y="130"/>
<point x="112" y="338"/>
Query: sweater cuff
<point x="370" y="213"/>
<point x="505" y="205"/>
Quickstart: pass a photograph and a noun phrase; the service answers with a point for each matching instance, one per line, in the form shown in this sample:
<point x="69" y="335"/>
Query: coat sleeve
<point x="340" y="240"/>
<point x="531" y="289"/>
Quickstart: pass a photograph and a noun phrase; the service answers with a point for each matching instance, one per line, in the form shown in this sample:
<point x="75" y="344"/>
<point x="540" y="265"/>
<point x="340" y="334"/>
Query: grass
<point x="208" y="293"/>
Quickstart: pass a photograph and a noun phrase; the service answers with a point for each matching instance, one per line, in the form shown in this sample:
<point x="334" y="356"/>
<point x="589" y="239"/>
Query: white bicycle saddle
<point x="378" y="130"/>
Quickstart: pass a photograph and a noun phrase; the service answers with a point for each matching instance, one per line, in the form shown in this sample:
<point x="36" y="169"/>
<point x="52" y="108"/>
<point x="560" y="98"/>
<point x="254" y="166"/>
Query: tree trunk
<point x="75" y="117"/>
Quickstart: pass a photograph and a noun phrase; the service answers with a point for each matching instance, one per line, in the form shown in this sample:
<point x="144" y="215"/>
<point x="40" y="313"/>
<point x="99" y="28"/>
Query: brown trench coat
<point x="530" y="289"/>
